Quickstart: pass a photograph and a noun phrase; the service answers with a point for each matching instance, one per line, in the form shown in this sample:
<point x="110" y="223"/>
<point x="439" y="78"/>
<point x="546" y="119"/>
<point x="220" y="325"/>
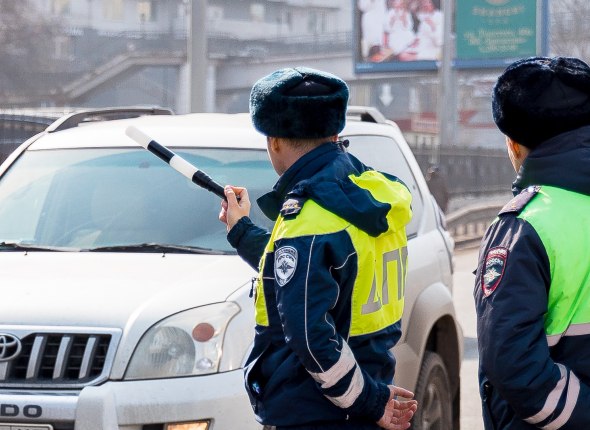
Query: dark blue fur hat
<point x="539" y="97"/>
<point x="300" y="103"/>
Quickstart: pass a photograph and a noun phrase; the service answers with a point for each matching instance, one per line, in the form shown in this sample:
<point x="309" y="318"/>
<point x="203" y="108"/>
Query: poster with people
<point x="390" y="32"/>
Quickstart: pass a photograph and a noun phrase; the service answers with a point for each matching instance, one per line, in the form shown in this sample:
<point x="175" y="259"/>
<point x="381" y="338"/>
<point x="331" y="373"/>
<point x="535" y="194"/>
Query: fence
<point x="470" y="171"/>
<point x="468" y="224"/>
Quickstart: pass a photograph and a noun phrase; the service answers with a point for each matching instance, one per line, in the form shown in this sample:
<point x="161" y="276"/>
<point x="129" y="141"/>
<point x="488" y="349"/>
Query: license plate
<point x="15" y="426"/>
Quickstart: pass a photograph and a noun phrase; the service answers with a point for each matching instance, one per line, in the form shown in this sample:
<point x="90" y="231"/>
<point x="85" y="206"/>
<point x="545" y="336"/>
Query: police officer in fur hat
<point x="321" y="357"/>
<point x="533" y="279"/>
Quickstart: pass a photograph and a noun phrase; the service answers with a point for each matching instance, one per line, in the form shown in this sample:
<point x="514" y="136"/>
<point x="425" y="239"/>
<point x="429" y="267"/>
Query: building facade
<point x="122" y="52"/>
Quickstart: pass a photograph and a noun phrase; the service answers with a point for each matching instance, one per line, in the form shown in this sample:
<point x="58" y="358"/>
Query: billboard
<point x="495" y="32"/>
<point x="397" y="34"/>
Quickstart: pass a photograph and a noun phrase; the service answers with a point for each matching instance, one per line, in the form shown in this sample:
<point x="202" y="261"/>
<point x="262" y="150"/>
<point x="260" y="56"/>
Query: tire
<point x="435" y="405"/>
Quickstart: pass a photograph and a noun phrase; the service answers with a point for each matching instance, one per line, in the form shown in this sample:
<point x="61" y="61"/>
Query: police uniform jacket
<point x="329" y="295"/>
<point x="532" y="294"/>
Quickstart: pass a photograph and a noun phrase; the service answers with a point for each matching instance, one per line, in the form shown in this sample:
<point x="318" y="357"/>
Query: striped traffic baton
<point x="175" y="161"/>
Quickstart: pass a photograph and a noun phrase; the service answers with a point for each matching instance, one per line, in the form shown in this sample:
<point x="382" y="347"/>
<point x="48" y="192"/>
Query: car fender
<point x="433" y="305"/>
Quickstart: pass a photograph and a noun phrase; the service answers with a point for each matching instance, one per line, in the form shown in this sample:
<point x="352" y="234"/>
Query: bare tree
<point x="569" y="28"/>
<point x="27" y="41"/>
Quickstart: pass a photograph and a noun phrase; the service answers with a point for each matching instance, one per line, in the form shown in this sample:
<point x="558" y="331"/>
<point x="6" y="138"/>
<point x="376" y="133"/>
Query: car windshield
<point x="111" y="197"/>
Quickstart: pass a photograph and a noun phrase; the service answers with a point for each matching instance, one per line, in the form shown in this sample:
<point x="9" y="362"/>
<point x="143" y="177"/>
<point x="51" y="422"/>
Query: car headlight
<point x="188" y="343"/>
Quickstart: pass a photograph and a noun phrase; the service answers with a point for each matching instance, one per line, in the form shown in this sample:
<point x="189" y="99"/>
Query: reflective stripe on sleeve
<point x="335" y="373"/>
<point x="552" y="398"/>
<point x="572" y="330"/>
<point x="573" y="391"/>
<point x="352" y="393"/>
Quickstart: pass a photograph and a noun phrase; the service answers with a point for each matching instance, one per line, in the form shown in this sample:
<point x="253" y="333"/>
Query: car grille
<point x="59" y="360"/>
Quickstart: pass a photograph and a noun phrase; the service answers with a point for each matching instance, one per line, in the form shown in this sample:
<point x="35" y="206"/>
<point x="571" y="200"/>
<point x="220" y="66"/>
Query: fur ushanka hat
<point x="539" y="97"/>
<point x="300" y="103"/>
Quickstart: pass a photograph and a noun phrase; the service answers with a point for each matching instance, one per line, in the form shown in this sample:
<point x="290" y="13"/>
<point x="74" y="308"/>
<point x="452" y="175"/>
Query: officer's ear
<point x="273" y="144"/>
<point x="517" y="152"/>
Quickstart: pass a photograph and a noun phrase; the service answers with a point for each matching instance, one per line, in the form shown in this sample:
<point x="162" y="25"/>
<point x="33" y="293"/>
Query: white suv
<point x="124" y="307"/>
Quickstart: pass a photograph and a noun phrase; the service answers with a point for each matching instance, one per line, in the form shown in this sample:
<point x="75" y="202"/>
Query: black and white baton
<point x="175" y="161"/>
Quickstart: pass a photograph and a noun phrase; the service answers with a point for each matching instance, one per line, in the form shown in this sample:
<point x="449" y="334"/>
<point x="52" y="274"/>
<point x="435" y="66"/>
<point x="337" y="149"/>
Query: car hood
<point x="112" y="289"/>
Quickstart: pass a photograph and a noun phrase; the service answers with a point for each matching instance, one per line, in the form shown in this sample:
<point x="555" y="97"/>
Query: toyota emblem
<point x="10" y="347"/>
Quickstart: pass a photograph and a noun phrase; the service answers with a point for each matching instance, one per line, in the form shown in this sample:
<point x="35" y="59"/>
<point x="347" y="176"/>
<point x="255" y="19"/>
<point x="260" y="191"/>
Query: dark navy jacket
<point x="308" y="364"/>
<point x="525" y="383"/>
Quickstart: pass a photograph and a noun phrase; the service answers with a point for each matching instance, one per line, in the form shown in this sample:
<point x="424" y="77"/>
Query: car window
<point x="87" y="198"/>
<point x="383" y="153"/>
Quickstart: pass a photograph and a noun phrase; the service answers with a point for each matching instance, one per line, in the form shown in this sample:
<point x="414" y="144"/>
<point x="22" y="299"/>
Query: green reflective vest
<point x="561" y="218"/>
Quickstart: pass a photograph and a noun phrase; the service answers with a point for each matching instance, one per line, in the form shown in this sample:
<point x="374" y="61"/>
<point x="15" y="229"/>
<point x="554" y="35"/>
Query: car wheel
<point x="435" y="407"/>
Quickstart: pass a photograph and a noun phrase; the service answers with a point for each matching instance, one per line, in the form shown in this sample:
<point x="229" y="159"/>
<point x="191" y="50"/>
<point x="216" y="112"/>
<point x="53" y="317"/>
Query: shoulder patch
<point x="285" y="264"/>
<point x="292" y="206"/>
<point x="518" y="203"/>
<point x="493" y="269"/>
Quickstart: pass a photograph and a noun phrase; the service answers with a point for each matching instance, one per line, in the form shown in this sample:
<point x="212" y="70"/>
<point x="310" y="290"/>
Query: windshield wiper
<point x="16" y="246"/>
<point x="157" y="247"/>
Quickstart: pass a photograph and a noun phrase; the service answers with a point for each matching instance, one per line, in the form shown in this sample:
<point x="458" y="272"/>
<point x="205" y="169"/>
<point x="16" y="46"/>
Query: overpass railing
<point x="468" y="224"/>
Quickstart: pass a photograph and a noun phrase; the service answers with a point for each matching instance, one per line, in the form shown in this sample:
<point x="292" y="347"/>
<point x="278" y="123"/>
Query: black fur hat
<point x="538" y="98"/>
<point x="299" y="103"/>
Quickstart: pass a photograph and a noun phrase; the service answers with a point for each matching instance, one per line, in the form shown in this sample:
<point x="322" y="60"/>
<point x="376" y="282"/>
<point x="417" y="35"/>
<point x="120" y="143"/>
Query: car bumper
<point x="219" y="399"/>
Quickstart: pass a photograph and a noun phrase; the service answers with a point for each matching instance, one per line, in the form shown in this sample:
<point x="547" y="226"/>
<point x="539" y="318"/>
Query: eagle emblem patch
<point x="285" y="264"/>
<point x="495" y="263"/>
<point x="292" y="207"/>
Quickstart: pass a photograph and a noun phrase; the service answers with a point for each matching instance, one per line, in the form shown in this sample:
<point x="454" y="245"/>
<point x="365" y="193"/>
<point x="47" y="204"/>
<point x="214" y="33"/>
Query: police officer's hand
<point x="232" y="210"/>
<point x="398" y="413"/>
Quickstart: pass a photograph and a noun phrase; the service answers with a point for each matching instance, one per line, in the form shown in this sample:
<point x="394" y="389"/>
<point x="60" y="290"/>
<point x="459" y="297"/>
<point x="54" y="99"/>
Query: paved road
<point x="465" y="263"/>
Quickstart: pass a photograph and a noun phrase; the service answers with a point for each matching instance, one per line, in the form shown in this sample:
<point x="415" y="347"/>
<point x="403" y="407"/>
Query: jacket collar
<point x="562" y="161"/>
<point x="305" y="167"/>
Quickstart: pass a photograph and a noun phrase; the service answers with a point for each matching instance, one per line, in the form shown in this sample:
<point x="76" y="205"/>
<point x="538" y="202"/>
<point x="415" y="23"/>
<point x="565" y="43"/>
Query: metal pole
<point x="197" y="56"/>
<point x="447" y="91"/>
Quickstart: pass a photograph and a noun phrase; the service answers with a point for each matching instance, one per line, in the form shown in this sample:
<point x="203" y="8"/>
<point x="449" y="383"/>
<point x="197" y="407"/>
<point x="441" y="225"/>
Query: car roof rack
<point x="365" y="114"/>
<point x="74" y="119"/>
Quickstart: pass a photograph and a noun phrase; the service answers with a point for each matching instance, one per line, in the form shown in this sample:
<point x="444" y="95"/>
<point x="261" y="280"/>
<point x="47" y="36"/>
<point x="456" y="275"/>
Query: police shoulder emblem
<point x="494" y="265"/>
<point x="517" y="204"/>
<point x="285" y="264"/>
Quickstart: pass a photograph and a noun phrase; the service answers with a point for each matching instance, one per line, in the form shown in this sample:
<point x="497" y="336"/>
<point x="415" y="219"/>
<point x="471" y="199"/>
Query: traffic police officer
<point x="532" y="287"/>
<point x="328" y="309"/>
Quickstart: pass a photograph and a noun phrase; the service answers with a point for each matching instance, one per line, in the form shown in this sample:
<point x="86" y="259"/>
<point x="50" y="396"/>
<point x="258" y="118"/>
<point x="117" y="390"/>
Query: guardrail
<point x="468" y="224"/>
